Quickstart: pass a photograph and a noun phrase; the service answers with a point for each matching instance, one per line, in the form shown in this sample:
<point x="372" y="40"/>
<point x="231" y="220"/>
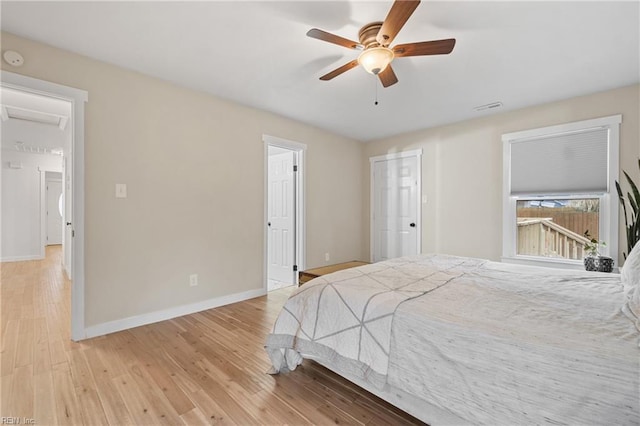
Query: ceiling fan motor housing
<point x="367" y="34"/>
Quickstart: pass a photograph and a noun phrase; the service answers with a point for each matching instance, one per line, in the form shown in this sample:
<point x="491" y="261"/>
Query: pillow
<point x="630" y="274"/>
<point x="630" y="277"/>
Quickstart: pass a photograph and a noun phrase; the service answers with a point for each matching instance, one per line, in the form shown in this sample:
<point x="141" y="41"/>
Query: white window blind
<point x="567" y="163"/>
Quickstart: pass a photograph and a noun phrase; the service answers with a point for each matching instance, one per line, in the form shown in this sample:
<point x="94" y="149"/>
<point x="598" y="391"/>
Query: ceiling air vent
<point x="492" y="105"/>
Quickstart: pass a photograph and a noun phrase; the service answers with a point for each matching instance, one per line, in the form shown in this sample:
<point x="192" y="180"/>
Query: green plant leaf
<point x="624" y="205"/>
<point x="632" y="221"/>
<point x="634" y="188"/>
<point x="633" y="203"/>
<point x="619" y="190"/>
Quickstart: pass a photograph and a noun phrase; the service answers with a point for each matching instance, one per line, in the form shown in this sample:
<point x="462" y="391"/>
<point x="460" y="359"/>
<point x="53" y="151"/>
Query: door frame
<point x="300" y="224"/>
<point x="417" y="153"/>
<point x="77" y="98"/>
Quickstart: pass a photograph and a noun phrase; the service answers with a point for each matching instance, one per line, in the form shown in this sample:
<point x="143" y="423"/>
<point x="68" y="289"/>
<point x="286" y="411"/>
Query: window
<point x="556" y="228"/>
<point x="557" y="187"/>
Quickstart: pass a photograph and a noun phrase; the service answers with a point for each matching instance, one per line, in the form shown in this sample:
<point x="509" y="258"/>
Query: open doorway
<point x="284" y="193"/>
<point x="35" y="130"/>
<point x="43" y="144"/>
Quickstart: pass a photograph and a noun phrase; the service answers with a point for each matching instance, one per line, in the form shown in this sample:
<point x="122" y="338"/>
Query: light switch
<point x="424" y="199"/>
<point x="121" y="190"/>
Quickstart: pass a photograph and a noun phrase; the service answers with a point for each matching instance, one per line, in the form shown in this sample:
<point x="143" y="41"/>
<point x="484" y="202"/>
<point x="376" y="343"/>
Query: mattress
<point x="489" y="343"/>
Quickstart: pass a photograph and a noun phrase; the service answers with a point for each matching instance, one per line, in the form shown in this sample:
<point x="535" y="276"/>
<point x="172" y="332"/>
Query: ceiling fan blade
<point x="395" y="20"/>
<point x="332" y="38"/>
<point x="338" y="71"/>
<point x="435" y="47"/>
<point x="388" y="77"/>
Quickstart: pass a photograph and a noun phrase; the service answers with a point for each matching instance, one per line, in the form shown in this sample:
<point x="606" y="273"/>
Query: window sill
<point x="544" y="262"/>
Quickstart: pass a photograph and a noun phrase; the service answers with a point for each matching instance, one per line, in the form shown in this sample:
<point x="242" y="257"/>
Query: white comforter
<point x="489" y="342"/>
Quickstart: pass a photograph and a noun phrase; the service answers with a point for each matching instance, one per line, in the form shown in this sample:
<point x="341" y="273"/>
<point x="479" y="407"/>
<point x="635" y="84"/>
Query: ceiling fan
<point x="375" y="39"/>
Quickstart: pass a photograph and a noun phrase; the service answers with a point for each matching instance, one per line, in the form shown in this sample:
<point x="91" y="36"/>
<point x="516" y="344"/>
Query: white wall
<point x="194" y="169"/>
<point x="462" y="168"/>
<point x="21" y="203"/>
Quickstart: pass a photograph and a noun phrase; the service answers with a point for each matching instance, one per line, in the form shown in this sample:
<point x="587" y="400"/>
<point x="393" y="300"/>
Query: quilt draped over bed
<point x="491" y="343"/>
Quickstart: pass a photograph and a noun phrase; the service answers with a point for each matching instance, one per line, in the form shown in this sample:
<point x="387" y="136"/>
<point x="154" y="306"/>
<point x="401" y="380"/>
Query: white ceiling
<point x="31" y="134"/>
<point x="256" y="53"/>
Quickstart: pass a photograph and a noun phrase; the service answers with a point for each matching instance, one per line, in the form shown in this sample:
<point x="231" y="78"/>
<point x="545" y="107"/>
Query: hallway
<point x="35" y="299"/>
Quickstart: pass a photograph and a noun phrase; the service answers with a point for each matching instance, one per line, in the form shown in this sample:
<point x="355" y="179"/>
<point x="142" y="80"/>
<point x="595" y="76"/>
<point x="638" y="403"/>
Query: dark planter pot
<point x="604" y="264"/>
<point x="598" y="263"/>
<point x="590" y="263"/>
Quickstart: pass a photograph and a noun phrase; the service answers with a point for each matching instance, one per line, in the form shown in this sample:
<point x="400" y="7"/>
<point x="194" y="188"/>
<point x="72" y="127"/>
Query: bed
<point x="454" y="340"/>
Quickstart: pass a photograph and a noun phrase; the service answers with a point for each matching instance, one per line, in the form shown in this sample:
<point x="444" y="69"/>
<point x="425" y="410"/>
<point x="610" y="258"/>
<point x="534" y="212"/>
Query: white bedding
<point x="491" y="343"/>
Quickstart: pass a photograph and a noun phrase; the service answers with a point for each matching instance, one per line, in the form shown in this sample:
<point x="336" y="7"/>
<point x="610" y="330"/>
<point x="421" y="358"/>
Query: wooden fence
<point x="567" y="217"/>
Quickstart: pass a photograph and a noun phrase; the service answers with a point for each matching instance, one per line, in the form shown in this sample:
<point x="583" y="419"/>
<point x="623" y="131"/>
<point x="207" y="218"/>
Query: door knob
<point x="413" y="225"/>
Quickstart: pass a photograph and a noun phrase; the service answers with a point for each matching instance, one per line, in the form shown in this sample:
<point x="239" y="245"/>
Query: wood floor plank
<point x="92" y="411"/>
<point x="158" y="402"/>
<point x="57" y="351"/>
<point x="182" y="378"/>
<point x="21" y="392"/>
<point x="115" y="409"/>
<point x="68" y="411"/>
<point x="42" y="358"/>
<point x="41" y="351"/>
<point x="99" y="371"/>
<point x="137" y="404"/>
<point x="254" y="405"/>
<point x="44" y="400"/>
<point x="205" y="368"/>
<point x="210" y="409"/>
<point x="216" y="390"/>
<point x="9" y="345"/>
<point x="194" y="417"/>
<point x="109" y="357"/>
<point x="5" y="394"/>
<point x="268" y="409"/>
<point x="304" y="398"/>
<point x="153" y="366"/>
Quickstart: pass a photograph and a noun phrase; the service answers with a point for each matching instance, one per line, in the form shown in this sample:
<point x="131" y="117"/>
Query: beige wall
<point x="194" y="169"/>
<point x="462" y="168"/>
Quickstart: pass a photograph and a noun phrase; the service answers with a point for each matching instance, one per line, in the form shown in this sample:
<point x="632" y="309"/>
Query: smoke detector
<point x="13" y="58"/>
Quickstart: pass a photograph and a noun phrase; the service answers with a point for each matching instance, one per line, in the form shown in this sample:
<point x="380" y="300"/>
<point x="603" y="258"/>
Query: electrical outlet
<point x="326" y="257"/>
<point x="193" y="280"/>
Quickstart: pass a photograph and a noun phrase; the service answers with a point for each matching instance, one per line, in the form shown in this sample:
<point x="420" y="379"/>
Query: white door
<point x="67" y="238"/>
<point x="395" y="220"/>
<point x="281" y="220"/>
<point x="54" y="216"/>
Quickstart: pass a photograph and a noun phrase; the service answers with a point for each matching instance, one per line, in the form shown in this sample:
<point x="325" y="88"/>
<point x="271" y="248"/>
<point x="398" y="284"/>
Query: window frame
<point x="608" y="219"/>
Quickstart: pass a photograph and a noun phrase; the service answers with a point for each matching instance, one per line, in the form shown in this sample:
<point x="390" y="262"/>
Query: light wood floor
<point x="205" y="368"/>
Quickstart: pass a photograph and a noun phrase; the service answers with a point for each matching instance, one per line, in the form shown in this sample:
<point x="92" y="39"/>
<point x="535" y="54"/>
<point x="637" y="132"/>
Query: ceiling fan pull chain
<point x="375" y="81"/>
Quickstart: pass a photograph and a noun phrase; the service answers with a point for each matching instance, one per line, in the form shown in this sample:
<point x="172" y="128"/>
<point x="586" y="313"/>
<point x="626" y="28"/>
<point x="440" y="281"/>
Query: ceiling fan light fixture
<point x="376" y="37"/>
<point x="375" y="59"/>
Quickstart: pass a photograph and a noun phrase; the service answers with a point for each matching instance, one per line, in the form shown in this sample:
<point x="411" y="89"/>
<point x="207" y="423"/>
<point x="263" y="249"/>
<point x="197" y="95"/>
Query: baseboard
<point x="165" y="314"/>
<point x="21" y="258"/>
